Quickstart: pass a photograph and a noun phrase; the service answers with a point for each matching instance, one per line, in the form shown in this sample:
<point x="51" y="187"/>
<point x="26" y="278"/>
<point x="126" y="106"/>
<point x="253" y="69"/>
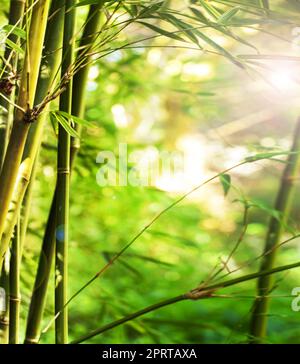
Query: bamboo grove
<point x="49" y="47"/>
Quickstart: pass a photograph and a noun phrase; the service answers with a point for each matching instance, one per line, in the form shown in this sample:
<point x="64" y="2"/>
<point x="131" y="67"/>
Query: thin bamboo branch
<point x="258" y="323"/>
<point x="195" y="294"/>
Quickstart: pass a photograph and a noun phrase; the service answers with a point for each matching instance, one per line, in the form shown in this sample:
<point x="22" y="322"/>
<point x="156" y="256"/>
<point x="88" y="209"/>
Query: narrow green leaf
<point x="210" y="9"/>
<point x="75" y="119"/>
<point x="147" y="11"/>
<point x="65" y="124"/>
<point x="90" y="2"/>
<point x="216" y="46"/>
<point x="228" y="15"/>
<point x="15" y="30"/>
<point x="198" y="14"/>
<point x="14" y="46"/>
<point x="270" y="57"/>
<point x="181" y="26"/>
<point x="162" y="31"/>
<point x="54" y="123"/>
<point x="225" y="180"/>
<point x="268" y="155"/>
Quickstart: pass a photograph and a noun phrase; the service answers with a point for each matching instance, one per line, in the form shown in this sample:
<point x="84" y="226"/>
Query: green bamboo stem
<point x="16" y="12"/>
<point x="15" y="205"/>
<point x="37" y="303"/>
<point x="48" y="72"/>
<point x="4" y="317"/>
<point x="11" y="276"/>
<point x="38" y="298"/>
<point x="196" y="294"/>
<point x="14" y="289"/>
<point x="63" y="184"/>
<point x="51" y="61"/>
<point x="81" y="77"/>
<point x="25" y="101"/>
<point x="258" y="323"/>
<point x="13" y="273"/>
<point x="78" y="101"/>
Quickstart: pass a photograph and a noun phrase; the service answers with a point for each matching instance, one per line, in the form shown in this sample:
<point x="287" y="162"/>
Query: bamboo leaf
<point x="198" y="14"/>
<point x="225" y="180"/>
<point x="15" y="30"/>
<point x="223" y="51"/>
<point x="210" y="9"/>
<point x="268" y="155"/>
<point x="75" y="119"/>
<point x="149" y="10"/>
<point x="54" y="123"/>
<point x="14" y="46"/>
<point x="181" y="25"/>
<point x="162" y="31"/>
<point x="64" y="122"/>
<point x="270" y="57"/>
<point x="219" y="28"/>
<point x="90" y="2"/>
<point x="228" y="15"/>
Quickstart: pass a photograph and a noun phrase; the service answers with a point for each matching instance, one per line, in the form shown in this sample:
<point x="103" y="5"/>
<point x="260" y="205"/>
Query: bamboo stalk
<point x="38" y="298"/>
<point x="15" y="205"/>
<point x="63" y="183"/>
<point x="37" y="302"/>
<point x="50" y="64"/>
<point x="16" y="12"/>
<point x="12" y="274"/>
<point x="258" y="323"/>
<point x="4" y="317"/>
<point x="21" y="122"/>
<point x="81" y="77"/>
<point x="14" y="288"/>
<point x="78" y="101"/>
<point x="48" y="72"/>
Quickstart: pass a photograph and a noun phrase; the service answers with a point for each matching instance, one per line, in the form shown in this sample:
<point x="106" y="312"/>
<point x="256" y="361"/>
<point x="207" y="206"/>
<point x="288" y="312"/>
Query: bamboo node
<point x="30" y="340"/>
<point x="15" y="298"/>
<point x="197" y="294"/>
<point x="31" y="114"/>
<point x="63" y="170"/>
<point x="4" y="322"/>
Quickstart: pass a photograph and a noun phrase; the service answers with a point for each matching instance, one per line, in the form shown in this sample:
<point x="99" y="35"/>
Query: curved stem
<point x="259" y="318"/>
<point x="198" y="293"/>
